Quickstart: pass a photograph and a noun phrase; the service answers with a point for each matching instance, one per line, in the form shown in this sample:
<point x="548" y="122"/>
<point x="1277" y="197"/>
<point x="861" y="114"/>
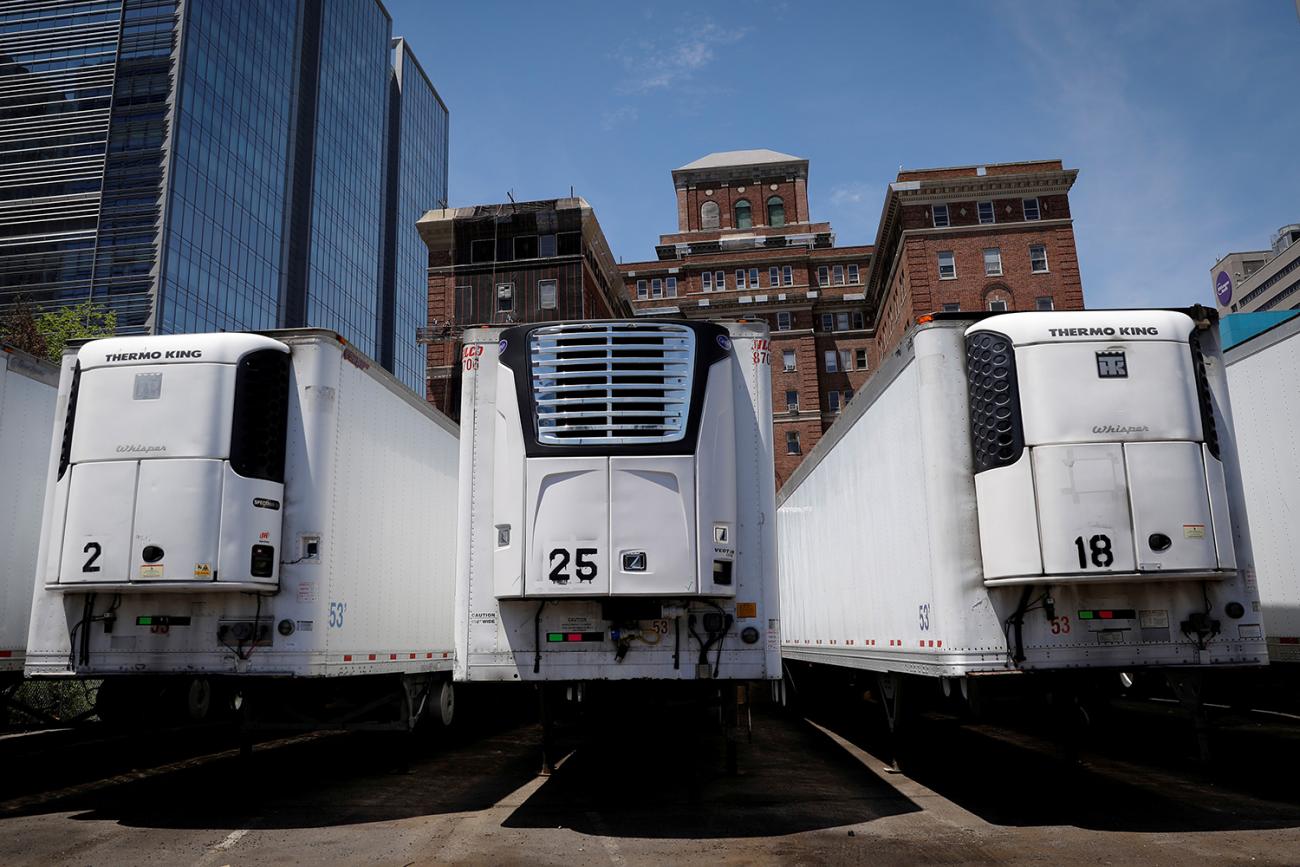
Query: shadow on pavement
<point x="653" y="775"/>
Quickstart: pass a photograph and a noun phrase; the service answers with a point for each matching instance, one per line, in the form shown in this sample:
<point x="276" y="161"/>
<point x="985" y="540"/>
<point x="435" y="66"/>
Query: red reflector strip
<point x="347" y="658"/>
<point x="392" y="656"/>
<point x="6" y="654"/>
<point x="412" y="656"/>
<point x="372" y="657"/>
<point x="1288" y="639"/>
<point x="430" y="655"/>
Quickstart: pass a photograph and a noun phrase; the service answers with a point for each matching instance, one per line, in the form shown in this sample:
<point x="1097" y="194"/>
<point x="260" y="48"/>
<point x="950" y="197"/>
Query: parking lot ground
<point x="648" y="788"/>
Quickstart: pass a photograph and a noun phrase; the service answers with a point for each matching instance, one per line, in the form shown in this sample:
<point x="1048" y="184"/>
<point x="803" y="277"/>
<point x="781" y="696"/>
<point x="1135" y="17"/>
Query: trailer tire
<point x="199" y="696"/>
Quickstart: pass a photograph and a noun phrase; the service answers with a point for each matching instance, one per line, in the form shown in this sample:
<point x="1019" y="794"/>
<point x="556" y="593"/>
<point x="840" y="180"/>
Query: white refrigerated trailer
<point x="617" y="504"/>
<point x="1026" y="492"/>
<point x="1264" y="380"/>
<point x="265" y="514"/>
<point x="28" y="386"/>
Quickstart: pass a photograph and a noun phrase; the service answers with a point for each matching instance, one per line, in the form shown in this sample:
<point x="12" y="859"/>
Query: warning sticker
<point x="202" y="570"/>
<point x="1153" y="618"/>
<point x="746" y="610"/>
<point x="1193" y="531"/>
<point x="151" y="570"/>
<point x="306" y="591"/>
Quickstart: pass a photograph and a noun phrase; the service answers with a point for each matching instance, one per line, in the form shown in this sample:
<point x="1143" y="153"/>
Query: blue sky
<point x="1180" y="116"/>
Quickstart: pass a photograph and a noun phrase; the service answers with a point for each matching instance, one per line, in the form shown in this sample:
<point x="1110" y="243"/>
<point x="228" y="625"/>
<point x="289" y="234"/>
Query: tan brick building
<point x="746" y="247"/>
<point x="510" y="263"/>
<point x="993" y="237"/>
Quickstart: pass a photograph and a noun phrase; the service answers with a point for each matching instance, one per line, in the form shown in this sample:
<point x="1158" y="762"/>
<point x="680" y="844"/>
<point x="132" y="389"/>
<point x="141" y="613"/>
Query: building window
<point x="546" y="294"/>
<point x="753" y="278"/>
<point x="828" y="322"/>
<point x="788" y="357"/>
<point x="833" y="400"/>
<point x="947" y="265"/>
<point x="656" y="288"/>
<point x="792" y="443"/>
<point x="986" y="212"/>
<point x="846" y="359"/>
<point x="774" y="276"/>
<point x="842" y="321"/>
<point x="641" y="292"/>
<point x="706" y="281"/>
<point x="505" y="297"/>
<point x="839" y="275"/>
<point x="719" y="281"/>
<point x="1038" y="259"/>
<point x="526" y="247"/>
<point x="861" y="358"/>
<point x="1031" y="209"/>
<point x="568" y="244"/>
<point x="670" y="287"/>
<point x="952" y="307"/>
<point x="859" y="321"/>
<point x="546" y="246"/>
<point x="482" y="251"/>
<point x="740" y="278"/>
<point x="831" y="361"/>
<point x="997" y="305"/>
<point x="993" y="262"/>
<point x="848" y="396"/>
<point x="939" y="214"/>
<point x="1044" y="303"/>
<point x="710" y="216"/>
<point x="823" y="276"/>
<point x="744" y="216"/>
<point x="787" y="276"/>
<point x="853" y="275"/>
<point x="783" y="320"/>
<point x="792" y="399"/>
<point x="775" y="211"/>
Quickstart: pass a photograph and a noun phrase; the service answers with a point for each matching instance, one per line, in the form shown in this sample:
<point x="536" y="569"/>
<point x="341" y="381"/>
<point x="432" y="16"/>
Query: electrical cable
<point x="537" y="638"/>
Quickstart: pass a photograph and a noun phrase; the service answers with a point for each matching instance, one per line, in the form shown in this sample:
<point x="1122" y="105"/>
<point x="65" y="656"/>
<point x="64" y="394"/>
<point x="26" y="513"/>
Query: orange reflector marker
<point x="921" y="320"/>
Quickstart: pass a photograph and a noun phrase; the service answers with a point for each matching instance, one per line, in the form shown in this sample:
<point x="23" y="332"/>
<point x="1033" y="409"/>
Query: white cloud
<point x="620" y="116"/>
<point x="661" y="63"/>
<point x="855" y="193"/>
<point x="1142" y="238"/>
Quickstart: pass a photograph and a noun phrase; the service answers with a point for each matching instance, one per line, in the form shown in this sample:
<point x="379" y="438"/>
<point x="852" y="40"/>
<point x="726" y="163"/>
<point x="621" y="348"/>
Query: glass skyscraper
<point x="199" y="165"/>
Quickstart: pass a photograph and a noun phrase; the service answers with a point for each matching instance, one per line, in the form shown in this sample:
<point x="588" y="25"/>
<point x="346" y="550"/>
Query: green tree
<point x="18" y="328"/>
<point x="83" y="321"/>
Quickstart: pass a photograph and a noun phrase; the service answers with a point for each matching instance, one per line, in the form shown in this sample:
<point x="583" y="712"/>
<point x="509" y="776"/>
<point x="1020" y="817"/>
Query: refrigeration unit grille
<point x="612" y="383"/>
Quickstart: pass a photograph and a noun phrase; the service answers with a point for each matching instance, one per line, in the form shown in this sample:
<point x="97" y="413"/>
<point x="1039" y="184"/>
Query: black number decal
<point x="1099" y="547"/>
<point x="558" y="575"/>
<point x="93" y="549"/>
<point x="586" y="570"/>
<point x="924" y="617"/>
<point x="1101" y="554"/>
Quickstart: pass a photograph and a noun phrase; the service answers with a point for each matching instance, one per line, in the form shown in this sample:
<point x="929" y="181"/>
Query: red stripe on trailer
<point x="347" y="658"/>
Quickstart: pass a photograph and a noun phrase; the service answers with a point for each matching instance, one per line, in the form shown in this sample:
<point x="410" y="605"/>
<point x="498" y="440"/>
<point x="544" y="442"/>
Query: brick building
<point x="746" y="247"/>
<point x="511" y="263"/>
<point x="993" y="237"/>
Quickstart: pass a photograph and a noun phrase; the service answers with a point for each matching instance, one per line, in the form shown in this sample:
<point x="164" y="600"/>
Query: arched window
<point x="775" y="211"/>
<point x="710" y="216"/>
<point x="744" y="216"/>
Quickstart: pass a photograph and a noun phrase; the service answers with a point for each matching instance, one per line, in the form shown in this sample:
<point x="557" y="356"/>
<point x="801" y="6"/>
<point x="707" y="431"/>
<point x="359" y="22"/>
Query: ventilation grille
<point x="69" y="420"/>
<point x="1208" y="430"/>
<point x="259" y="425"/>
<point x="996" y="431"/>
<point x="612" y="383"/>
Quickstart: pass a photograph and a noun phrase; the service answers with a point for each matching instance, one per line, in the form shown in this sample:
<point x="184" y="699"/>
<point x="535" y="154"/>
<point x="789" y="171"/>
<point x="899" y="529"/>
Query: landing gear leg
<point x="731" y="724"/>
<point x="548" y="732"/>
<point x="891" y="695"/>
<point x="1189" y="689"/>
